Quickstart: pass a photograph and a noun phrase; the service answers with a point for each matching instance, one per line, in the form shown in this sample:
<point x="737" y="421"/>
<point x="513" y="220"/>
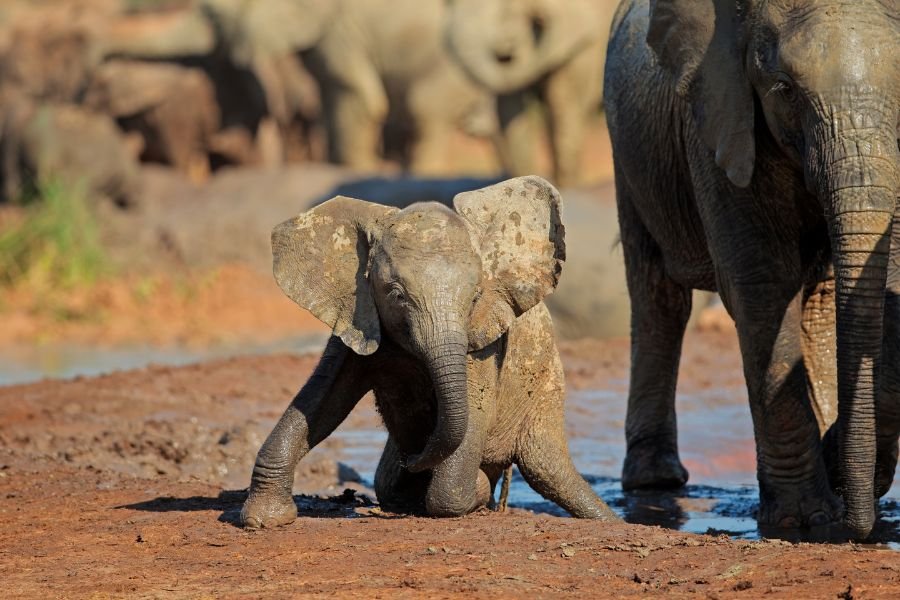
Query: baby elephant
<point x="440" y="313"/>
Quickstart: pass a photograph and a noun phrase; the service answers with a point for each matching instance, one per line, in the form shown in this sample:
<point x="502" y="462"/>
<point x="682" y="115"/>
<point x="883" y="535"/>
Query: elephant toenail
<point x="817" y="519"/>
<point x="789" y="523"/>
<point x="252" y="523"/>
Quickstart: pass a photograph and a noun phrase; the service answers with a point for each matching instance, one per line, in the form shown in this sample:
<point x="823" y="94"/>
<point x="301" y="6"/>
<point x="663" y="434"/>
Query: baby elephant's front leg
<point x="324" y="402"/>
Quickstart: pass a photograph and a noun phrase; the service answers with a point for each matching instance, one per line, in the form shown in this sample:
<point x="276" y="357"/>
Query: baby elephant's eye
<point x="396" y="294"/>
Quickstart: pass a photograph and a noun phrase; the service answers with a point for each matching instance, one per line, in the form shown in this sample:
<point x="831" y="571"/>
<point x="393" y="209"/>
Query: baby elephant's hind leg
<point x="545" y="463"/>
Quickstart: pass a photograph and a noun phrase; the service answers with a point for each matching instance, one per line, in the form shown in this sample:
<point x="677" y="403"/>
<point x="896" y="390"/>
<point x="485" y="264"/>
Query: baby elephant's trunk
<point x="446" y="360"/>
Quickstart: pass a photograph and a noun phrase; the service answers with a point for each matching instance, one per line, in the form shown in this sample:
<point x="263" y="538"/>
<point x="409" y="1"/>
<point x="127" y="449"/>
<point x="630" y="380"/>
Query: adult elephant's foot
<point x="653" y="465"/>
<point x="798" y="506"/>
<point x="266" y="510"/>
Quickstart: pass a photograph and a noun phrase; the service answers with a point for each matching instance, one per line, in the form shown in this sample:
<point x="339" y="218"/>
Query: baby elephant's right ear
<point x="320" y="259"/>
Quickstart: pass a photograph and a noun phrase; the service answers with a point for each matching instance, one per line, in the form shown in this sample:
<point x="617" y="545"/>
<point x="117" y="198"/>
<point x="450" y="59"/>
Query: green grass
<point x="56" y="245"/>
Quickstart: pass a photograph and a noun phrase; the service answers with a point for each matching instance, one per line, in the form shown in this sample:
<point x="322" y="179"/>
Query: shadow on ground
<point x="229" y="503"/>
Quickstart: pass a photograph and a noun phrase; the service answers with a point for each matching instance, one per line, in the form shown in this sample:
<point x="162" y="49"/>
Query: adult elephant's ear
<point x="699" y="43"/>
<point x="320" y="260"/>
<point x="516" y="228"/>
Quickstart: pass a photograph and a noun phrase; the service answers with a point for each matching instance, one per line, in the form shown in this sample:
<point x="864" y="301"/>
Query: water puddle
<point x="716" y="440"/>
<point x="33" y="363"/>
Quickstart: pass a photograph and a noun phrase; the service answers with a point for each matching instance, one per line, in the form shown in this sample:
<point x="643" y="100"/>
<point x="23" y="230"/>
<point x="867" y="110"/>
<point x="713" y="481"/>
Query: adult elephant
<point x="519" y="49"/>
<point x="756" y="150"/>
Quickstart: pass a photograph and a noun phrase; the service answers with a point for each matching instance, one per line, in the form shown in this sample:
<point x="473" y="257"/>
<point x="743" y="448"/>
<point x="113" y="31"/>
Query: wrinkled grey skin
<point x="756" y="153"/>
<point x="439" y="313"/>
<point x="545" y="49"/>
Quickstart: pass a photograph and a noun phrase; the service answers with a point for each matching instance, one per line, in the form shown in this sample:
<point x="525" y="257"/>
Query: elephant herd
<point x="200" y="84"/>
<point x="757" y="154"/>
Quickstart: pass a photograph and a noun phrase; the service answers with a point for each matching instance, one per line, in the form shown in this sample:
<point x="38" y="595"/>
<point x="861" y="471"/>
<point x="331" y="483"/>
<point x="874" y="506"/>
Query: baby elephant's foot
<point x="791" y="508"/>
<point x="268" y="510"/>
<point x="653" y="465"/>
<point x="452" y="501"/>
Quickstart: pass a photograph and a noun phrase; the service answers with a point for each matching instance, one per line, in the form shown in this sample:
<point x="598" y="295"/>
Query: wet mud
<point x="130" y="484"/>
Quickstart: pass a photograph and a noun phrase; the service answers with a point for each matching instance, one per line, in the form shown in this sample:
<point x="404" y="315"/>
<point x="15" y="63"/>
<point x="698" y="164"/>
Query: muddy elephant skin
<point x="440" y="313"/>
<point x="544" y="50"/>
<point x="756" y="154"/>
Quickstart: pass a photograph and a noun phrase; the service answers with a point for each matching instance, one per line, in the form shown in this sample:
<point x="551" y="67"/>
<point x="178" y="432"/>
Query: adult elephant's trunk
<point x="857" y="182"/>
<point x="509" y="45"/>
<point x="445" y="356"/>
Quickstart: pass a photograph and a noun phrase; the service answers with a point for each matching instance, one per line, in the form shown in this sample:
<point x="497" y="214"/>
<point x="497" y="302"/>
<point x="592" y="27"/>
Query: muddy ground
<point x="130" y="485"/>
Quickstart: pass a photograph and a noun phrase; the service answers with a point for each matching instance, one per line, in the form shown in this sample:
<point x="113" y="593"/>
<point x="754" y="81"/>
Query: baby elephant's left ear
<point x="517" y="229"/>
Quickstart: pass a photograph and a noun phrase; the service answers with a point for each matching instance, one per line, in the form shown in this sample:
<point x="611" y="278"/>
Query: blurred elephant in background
<point x="373" y="62"/>
<point x="268" y="100"/>
<point x="551" y="50"/>
<point x="66" y="145"/>
<point x="385" y="61"/>
<point x="47" y="57"/>
<point x="171" y="107"/>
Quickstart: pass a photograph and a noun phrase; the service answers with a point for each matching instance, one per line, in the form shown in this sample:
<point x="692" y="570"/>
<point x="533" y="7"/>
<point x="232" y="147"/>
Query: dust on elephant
<point x="554" y="50"/>
<point x="756" y="150"/>
<point x="440" y="313"/>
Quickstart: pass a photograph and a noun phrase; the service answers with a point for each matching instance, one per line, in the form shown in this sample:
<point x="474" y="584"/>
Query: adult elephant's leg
<point x="516" y="140"/>
<point x="431" y="100"/>
<point x="573" y="94"/>
<point x="543" y="455"/>
<point x="793" y="485"/>
<point x="335" y="387"/>
<point x="660" y="309"/>
<point x="887" y="406"/>
<point x="354" y="132"/>
<point x="759" y="271"/>
<point x="820" y="351"/>
<point x="397" y="489"/>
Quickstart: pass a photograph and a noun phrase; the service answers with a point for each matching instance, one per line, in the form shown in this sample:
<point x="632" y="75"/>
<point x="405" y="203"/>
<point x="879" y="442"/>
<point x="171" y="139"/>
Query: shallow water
<point x="33" y="363"/>
<point x="715" y="437"/>
<point x="716" y="444"/>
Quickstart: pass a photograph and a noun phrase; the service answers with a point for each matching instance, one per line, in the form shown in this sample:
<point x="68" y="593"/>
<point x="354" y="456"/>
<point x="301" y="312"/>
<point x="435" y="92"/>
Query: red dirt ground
<point x="128" y="485"/>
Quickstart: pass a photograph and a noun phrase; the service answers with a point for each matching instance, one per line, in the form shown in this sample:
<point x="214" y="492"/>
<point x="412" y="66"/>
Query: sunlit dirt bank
<point x="130" y="485"/>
